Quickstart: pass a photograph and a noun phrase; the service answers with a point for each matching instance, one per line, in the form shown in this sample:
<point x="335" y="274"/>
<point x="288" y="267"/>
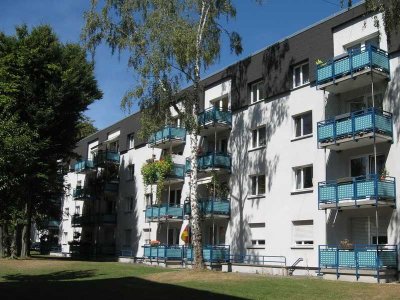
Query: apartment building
<point x="297" y="164"/>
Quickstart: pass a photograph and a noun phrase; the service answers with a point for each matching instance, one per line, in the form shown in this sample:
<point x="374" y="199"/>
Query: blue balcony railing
<point x="107" y="156"/>
<point x="166" y="134"/>
<point x="178" y="172"/>
<point x="80" y="193"/>
<point x="164" y="252"/>
<point x="213" y="116"/>
<point x="211" y="160"/>
<point x="81" y="220"/>
<point x="213" y="254"/>
<point x="355" y="124"/>
<point x="164" y="211"/>
<point x="107" y="218"/>
<point x="111" y="187"/>
<point x="357" y="189"/>
<point x="360" y="257"/>
<point x="353" y="62"/>
<point x="83" y="165"/>
<point x="210" y="206"/>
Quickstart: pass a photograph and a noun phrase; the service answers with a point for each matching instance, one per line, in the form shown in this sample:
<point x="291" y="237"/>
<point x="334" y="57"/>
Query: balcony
<point x="107" y="219"/>
<point x="83" y="220"/>
<point x="212" y="161"/>
<point x="369" y="190"/>
<point x="111" y="187"/>
<point x="353" y="65"/>
<point x="83" y="166"/>
<point x="355" y="129"/>
<point x="168" y="137"/>
<point x="104" y="157"/>
<point x="177" y="174"/>
<point x="164" y="212"/>
<point x="164" y="252"/>
<point x="358" y="260"/>
<point x="80" y="194"/>
<point x="212" y="254"/>
<point x="211" y="207"/>
<point x="213" y="120"/>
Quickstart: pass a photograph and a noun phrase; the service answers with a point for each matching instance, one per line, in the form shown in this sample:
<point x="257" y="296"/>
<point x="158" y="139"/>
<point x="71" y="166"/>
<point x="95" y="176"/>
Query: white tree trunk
<point x="196" y="222"/>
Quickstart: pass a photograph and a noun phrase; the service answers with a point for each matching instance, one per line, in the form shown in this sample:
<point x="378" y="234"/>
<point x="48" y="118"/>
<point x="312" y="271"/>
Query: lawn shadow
<point x="58" y="285"/>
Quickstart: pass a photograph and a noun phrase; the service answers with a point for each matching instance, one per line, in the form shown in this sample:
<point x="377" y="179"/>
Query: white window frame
<point x="301" y="117"/>
<point x="257" y="131"/>
<point x="302" y="188"/>
<point x="131" y="175"/>
<point x="302" y="242"/>
<point x="131" y="141"/>
<point x="302" y="82"/>
<point x="367" y="156"/>
<point x="257" y="177"/>
<point x="175" y="199"/>
<point x="259" y="86"/>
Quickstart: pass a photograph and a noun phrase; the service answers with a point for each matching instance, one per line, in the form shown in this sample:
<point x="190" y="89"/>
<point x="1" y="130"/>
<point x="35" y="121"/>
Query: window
<point x="257" y="92"/>
<point x="77" y="210"/>
<point x="66" y="212"/>
<point x="257" y="232"/>
<point x="301" y="75"/>
<point x="303" y="124"/>
<point x="303" y="177"/>
<point x="303" y="233"/>
<point x="65" y="237"/>
<point x="129" y="204"/>
<point x="131" y="172"/>
<point x="131" y="141"/>
<point x="363" y="165"/>
<point x="175" y="197"/>
<point x="259" y="138"/>
<point x="128" y="235"/>
<point x="257" y="185"/>
<point x="148" y="199"/>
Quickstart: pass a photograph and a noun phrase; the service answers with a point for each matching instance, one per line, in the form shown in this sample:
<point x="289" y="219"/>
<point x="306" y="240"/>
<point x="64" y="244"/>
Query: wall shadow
<point x="62" y="285"/>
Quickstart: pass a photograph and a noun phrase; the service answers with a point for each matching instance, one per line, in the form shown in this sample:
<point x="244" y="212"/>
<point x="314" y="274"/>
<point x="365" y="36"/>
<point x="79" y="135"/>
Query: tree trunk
<point x="14" y="247"/>
<point x="198" y="262"/>
<point x="26" y="231"/>
<point x="1" y="242"/>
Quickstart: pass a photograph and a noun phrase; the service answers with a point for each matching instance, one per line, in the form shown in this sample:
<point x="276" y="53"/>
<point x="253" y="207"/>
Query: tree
<point x="86" y="127"/>
<point x="44" y="86"/>
<point x="390" y="10"/>
<point x="170" y="43"/>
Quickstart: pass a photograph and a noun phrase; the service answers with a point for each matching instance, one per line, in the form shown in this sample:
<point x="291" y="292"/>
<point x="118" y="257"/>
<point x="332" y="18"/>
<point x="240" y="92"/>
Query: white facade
<point x="276" y="167"/>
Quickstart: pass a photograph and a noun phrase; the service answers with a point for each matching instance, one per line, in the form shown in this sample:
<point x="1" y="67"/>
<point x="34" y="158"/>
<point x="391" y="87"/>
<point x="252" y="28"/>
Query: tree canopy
<point x="45" y="86"/>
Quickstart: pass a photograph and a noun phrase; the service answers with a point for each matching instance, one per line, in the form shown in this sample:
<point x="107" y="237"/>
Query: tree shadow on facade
<point x="61" y="285"/>
<point x="393" y="97"/>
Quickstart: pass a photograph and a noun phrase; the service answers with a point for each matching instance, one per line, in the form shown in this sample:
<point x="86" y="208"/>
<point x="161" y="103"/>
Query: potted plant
<point x="346" y="245"/>
<point x="384" y="174"/>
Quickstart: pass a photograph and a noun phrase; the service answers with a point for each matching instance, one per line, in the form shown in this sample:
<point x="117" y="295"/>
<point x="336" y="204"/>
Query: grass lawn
<point x="48" y="278"/>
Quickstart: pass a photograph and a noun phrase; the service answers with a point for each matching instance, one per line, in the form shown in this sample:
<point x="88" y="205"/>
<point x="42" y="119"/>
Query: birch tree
<point x="169" y="44"/>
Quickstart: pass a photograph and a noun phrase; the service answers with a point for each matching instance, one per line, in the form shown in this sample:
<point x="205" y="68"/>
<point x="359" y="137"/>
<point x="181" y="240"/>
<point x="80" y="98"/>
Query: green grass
<point x="67" y="279"/>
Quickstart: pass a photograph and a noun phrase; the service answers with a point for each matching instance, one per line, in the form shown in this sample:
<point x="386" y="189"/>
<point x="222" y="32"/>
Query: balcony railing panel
<point x="370" y="257"/>
<point x="211" y="254"/>
<point x="210" y="206"/>
<point x="164" y="211"/>
<point x="166" y="134"/>
<point x="178" y="171"/>
<point x="214" y="115"/>
<point x="354" y="124"/>
<point x="83" y="165"/>
<point x="357" y="188"/>
<point x="111" y="187"/>
<point x="353" y="62"/>
<point x="107" y="156"/>
<point x="164" y="252"/>
<point x="211" y="160"/>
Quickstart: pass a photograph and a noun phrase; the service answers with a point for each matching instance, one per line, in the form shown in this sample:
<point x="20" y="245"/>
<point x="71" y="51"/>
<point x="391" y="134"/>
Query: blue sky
<point x="259" y="26"/>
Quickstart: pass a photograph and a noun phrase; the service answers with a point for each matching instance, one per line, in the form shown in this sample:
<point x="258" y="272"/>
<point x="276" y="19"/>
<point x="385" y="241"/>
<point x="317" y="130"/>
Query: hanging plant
<point x="221" y="189"/>
<point x="155" y="173"/>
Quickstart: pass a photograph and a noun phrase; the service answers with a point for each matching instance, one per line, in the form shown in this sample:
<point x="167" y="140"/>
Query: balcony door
<point x="363" y="165"/>
<point x="173" y="236"/>
<point x="363" y="230"/>
<point x="175" y="197"/>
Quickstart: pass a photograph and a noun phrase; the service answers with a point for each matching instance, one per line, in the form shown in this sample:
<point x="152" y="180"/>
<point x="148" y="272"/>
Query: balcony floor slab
<point x="361" y="203"/>
<point x="360" y="140"/>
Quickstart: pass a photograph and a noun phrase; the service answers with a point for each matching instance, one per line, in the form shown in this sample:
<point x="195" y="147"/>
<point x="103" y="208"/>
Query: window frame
<point x="131" y="175"/>
<point x="260" y="92"/>
<point x="304" y="243"/>
<point x="257" y="131"/>
<point x="302" y="82"/>
<point x="129" y="207"/>
<point x="295" y="176"/>
<point x="301" y="117"/>
<point x="257" y="179"/>
<point x="131" y="141"/>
